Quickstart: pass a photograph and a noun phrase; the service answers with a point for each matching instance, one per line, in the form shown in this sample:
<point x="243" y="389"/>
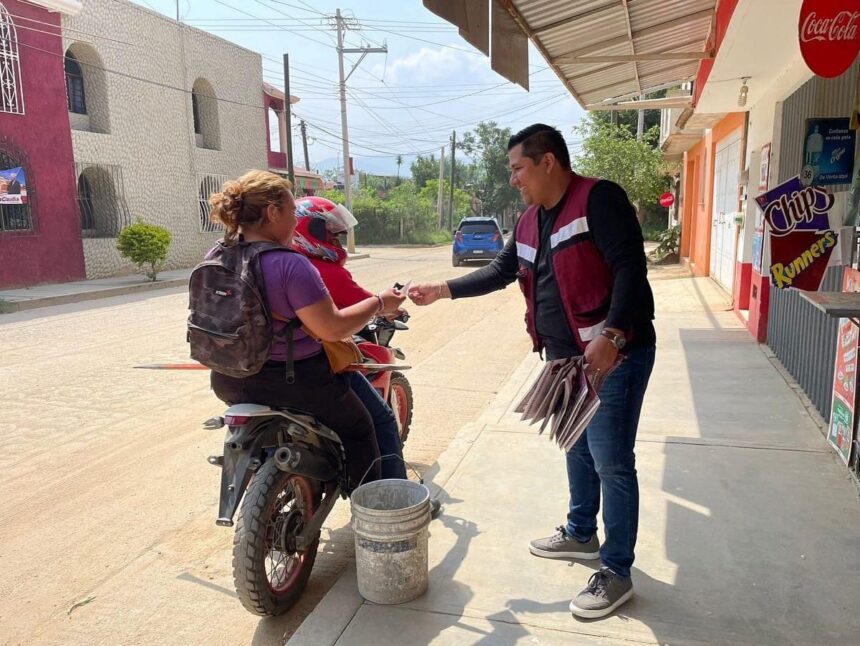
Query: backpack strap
<point x="291" y="324"/>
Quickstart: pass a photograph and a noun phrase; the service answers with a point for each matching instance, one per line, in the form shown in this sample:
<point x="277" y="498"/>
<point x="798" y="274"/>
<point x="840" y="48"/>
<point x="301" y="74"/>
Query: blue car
<point x="477" y="239"/>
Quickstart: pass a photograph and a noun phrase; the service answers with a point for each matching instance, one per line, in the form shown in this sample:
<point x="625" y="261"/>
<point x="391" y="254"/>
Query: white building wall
<point x="150" y="134"/>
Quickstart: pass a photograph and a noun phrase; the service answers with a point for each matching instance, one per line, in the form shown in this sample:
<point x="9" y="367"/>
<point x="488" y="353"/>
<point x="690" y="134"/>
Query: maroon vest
<point x="583" y="276"/>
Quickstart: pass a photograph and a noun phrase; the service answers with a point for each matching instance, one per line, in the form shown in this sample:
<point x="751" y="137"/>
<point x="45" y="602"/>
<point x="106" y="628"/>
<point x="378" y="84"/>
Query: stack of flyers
<point x="564" y="394"/>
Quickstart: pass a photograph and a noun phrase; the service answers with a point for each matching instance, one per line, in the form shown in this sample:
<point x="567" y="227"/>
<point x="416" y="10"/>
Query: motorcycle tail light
<point x="236" y="420"/>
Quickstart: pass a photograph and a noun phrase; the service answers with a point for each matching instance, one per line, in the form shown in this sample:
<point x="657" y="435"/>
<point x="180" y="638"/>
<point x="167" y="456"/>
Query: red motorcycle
<point x="374" y="341"/>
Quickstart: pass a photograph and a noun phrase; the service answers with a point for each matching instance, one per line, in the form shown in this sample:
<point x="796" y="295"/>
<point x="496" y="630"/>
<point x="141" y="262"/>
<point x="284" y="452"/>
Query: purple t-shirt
<point x="292" y="283"/>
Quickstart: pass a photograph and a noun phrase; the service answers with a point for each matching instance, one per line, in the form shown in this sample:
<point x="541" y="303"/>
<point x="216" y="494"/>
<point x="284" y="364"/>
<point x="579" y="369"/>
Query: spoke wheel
<point x="270" y="574"/>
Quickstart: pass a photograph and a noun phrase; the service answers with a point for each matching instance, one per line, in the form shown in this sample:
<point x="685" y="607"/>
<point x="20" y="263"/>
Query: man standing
<point x="578" y="254"/>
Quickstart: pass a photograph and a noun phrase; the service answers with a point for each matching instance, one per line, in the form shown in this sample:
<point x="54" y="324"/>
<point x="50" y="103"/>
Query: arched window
<point x="101" y="200"/>
<point x="86" y="89"/>
<point x="15" y="196"/>
<point x="204" y="109"/>
<point x="76" y="95"/>
<point x="11" y="91"/>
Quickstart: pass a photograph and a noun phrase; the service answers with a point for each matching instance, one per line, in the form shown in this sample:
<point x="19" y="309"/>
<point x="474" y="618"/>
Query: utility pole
<point x="341" y="50"/>
<point x="451" y="198"/>
<point x="304" y="130"/>
<point x="288" y="126"/>
<point x="440" y="206"/>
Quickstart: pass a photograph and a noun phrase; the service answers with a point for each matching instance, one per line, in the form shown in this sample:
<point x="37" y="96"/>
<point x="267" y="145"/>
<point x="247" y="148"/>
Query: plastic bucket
<point x="390" y="519"/>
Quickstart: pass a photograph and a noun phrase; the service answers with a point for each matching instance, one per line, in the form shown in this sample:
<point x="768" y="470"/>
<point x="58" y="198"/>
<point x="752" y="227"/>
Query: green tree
<point x="399" y="162"/>
<point x="612" y="152"/>
<point x="629" y="119"/>
<point x="488" y="146"/>
<point x="146" y="246"/>
<point x="424" y="169"/>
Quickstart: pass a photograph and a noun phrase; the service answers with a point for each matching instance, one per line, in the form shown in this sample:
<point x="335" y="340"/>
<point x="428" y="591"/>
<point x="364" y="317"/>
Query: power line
<point x="258" y="18"/>
<point x="136" y="78"/>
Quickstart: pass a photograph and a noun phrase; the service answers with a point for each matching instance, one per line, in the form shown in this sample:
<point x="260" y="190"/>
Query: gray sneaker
<point x="605" y="592"/>
<point x="564" y="546"/>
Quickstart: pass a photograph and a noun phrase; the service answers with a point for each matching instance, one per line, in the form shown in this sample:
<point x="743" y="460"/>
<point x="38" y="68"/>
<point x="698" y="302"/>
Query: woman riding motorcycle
<point x="259" y="206"/>
<point x="320" y="222"/>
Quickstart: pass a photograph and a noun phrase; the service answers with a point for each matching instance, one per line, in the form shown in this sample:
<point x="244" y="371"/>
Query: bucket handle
<point x="389" y="455"/>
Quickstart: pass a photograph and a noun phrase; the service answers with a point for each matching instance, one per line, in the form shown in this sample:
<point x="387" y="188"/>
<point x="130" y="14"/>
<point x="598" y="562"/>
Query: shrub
<point x="146" y="246"/>
<point x="669" y="240"/>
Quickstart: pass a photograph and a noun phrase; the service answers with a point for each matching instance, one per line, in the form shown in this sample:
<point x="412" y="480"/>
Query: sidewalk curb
<point x="10" y="307"/>
<point x="327" y="622"/>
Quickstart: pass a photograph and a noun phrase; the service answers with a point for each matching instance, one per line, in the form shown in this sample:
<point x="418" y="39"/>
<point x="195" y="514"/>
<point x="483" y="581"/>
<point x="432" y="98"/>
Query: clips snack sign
<point x="829" y="33"/>
<point x="801" y="240"/>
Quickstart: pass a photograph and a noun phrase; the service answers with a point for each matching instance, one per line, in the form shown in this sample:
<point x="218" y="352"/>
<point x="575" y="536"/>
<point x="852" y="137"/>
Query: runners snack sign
<point x="842" y="412"/>
<point x="801" y="239"/>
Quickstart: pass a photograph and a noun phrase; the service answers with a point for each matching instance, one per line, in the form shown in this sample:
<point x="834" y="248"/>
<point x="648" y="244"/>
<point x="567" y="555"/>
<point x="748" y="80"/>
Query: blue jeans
<point x="603" y="459"/>
<point x="385" y="425"/>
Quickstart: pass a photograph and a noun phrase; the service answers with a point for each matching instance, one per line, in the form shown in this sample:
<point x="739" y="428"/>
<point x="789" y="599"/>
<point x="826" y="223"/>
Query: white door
<point x="726" y="167"/>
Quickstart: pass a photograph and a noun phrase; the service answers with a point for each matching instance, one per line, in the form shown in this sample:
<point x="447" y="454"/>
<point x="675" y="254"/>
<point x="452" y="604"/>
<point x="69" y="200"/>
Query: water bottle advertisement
<point x="828" y="152"/>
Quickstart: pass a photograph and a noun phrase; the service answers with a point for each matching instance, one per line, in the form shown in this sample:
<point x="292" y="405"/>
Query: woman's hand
<point x="391" y="301"/>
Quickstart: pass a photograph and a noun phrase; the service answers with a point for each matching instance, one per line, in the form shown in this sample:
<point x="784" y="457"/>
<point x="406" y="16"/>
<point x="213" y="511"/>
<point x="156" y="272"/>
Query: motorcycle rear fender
<point x="243" y="454"/>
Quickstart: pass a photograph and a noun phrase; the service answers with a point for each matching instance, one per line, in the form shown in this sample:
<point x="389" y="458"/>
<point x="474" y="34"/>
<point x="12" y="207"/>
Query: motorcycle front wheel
<point x="400" y="401"/>
<point x="269" y="573"/>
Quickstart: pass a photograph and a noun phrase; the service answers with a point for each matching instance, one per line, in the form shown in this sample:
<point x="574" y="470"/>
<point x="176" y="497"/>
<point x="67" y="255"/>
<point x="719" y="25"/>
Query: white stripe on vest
<point x="580" y="225"/>
<point x="589" y="333"/>
<point x="526" y="252"/>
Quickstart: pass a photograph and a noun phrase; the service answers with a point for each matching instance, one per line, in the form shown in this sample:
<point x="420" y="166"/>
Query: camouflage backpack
<point x="230" y="325"/>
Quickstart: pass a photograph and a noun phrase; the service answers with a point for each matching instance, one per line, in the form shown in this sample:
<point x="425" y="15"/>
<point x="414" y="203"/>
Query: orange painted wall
<point x="696" y="232"/>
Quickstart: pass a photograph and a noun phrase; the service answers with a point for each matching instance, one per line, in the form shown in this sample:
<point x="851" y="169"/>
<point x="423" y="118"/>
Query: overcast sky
<point x="404" y="102"/>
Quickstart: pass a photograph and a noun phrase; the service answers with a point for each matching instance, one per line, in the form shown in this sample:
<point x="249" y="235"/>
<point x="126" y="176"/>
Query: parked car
<point x="477" y="238"/>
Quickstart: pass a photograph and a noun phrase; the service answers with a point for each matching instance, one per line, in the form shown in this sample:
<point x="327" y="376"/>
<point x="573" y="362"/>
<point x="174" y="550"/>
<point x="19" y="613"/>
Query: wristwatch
<point x="618" y="340"/>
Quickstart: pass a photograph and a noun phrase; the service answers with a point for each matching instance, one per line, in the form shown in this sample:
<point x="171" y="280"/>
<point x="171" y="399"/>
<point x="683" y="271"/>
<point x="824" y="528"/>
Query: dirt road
<point x="109" y="505"/>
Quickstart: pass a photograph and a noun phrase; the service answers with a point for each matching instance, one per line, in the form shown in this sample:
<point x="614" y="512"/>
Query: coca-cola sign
<point x="829" y="32"/>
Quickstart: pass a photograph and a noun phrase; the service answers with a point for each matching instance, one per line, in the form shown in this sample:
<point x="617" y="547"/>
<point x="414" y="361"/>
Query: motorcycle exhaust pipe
<point x="303" y="462"/>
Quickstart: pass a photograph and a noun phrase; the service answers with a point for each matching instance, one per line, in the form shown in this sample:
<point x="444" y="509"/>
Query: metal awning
<point x="604" y="51"/>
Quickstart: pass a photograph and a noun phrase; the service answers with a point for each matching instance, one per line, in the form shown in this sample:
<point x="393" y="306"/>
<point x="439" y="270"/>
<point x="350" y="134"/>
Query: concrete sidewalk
<point x="28" y="298"/>
<point x="748" y="527"/>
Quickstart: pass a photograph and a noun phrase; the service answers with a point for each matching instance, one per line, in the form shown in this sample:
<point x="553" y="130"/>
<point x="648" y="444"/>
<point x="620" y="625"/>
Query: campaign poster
<point x="13" y="186"/>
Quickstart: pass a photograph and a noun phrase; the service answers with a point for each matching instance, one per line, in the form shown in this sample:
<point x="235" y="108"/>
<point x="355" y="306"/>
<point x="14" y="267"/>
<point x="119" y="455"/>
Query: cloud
<point x="431" y="64"/>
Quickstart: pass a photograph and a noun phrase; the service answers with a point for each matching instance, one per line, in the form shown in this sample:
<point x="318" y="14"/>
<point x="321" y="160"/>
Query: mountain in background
<point x="371" y="165"/>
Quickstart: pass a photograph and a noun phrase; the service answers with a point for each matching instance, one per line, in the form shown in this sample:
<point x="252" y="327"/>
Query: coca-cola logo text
<point x="841" y="27"/>
<point x="829" y="35"/>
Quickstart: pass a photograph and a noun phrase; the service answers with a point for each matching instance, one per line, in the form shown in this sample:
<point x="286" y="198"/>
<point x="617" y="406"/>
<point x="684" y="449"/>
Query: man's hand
<point x="601" y="355"/>
<point x="427" y="293"/>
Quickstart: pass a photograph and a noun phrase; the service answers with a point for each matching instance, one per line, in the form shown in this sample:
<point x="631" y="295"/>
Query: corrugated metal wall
<point x="804" y="340"/>
<point x="802" y="337"/>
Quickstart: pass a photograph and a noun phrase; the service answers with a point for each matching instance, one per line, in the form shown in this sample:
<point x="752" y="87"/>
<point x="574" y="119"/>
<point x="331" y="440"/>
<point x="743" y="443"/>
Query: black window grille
<point x="75" y="94"/>
<point x="15" y="217"/>
<point x="101" y="200"/>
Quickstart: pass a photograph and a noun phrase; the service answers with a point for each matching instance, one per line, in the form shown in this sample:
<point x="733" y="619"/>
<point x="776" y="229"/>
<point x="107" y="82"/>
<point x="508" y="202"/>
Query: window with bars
<point x="75" y="94"/>
<point x="11" y="91"/>
<point x="101" y="200"/>
<point x="208" y="184"/>
<point x="15" y="217"/>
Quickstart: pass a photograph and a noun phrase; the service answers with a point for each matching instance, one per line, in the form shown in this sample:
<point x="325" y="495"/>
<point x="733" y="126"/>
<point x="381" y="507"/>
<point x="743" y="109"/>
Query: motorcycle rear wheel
<point x="268" y="572"/>
<point x="400" y="401"/>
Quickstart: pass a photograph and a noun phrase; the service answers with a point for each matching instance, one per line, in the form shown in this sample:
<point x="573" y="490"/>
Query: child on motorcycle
<point x="259" y="206"/>
<point x="320" y="222"/>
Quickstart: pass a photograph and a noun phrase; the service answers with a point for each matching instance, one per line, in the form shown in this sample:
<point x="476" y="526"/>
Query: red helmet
<point x="319" y="223"/>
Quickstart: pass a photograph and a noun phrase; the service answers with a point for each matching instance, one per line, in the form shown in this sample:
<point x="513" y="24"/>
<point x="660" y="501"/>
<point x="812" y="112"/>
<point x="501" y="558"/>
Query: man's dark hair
<point x="539" y="139"/>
